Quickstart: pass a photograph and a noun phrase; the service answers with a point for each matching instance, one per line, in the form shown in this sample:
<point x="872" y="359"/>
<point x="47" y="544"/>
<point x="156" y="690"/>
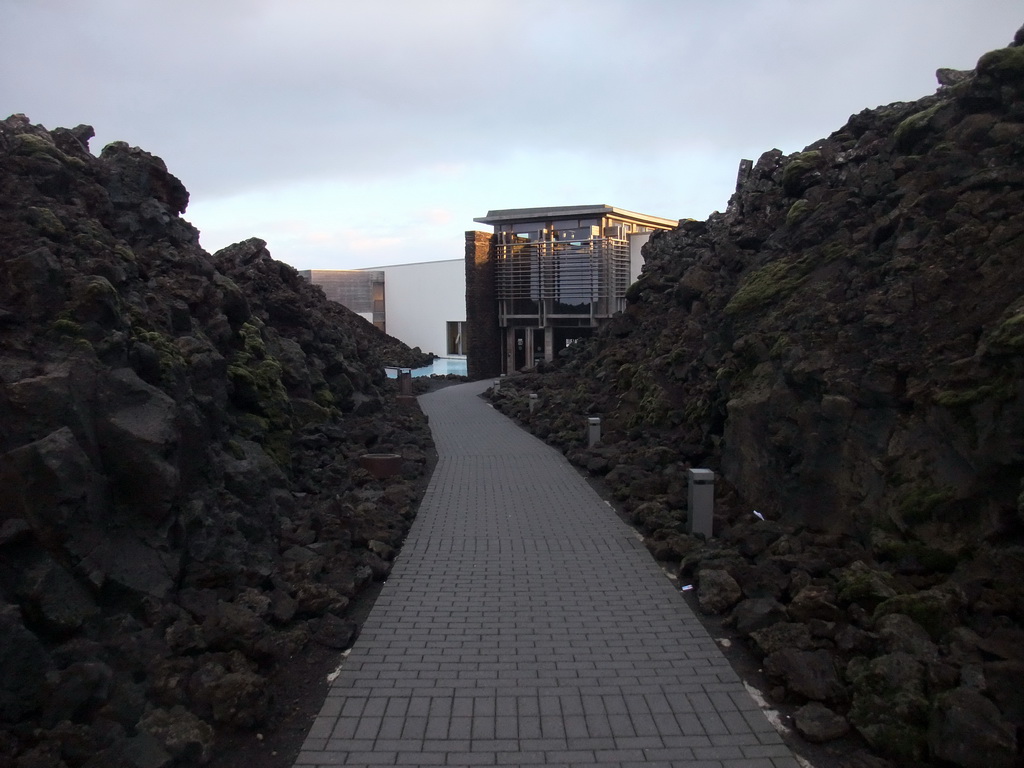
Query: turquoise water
<point x="441" y="367"/>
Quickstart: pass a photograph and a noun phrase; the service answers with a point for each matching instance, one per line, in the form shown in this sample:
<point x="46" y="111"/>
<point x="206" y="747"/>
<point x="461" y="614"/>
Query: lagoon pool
<point x="441" y="367"/>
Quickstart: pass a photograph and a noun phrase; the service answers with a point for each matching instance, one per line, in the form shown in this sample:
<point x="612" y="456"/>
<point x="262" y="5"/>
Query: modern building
<point x="361" y="290"/>
<point x="546" y="277"/>
<point x="422" y="304"/>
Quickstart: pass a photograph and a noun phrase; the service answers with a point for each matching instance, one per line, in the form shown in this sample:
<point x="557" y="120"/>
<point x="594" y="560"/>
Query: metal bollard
<point x="701" y="500"/>
<point x="593" y="431"/>
<point x="533" y="402"/>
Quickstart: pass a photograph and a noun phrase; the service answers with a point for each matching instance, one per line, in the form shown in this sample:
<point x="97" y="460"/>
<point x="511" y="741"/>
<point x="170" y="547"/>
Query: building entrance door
<point x="538" y="346"/>
<point x="519" y="352"/>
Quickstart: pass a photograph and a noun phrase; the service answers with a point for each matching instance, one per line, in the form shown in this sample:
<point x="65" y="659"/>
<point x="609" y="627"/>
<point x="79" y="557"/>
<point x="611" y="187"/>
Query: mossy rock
<point x="124" y="252"/>
<point x="782" y="343"/>
<point x="937" y="610"/>
<point x="275" y="442"/>
<point x="1001" y="390"/>
<point x="1005" y="65"/>
<point x="624" y="376"/>
<point x="39" y="148"/>
<point x="866" y="586"/>
<point x="65" y="327"/>
<point x="89" y="244"/>
<point x="801" y="172"/>
<point x="634" y="291"/>
<point x="256" y="387"/>
<point x="278" y="446"/>
<point x="833" y="251"/>
<point x="46" y="223"/>
<point x="798" y="211"/>
<point x="30" y="145"/>
<point x="927" y="558"/>
<point x="1009" y="334"/>
<point x="324" y="397"/>
<point x="768" y="284"/>
<point x="914" y="128"/>
<point x="889" y="707"/>
<point x="170" y="355"/>
<point x="252" y="338"/>
<point x="97" y="300"/>
<point x="917" y="504"/>
<point x="307" y="412"/>
<point x="651" y="406"/>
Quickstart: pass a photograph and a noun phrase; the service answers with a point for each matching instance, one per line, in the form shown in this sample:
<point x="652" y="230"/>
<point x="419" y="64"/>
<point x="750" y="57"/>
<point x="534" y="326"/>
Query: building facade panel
<point x="362" y="291"/>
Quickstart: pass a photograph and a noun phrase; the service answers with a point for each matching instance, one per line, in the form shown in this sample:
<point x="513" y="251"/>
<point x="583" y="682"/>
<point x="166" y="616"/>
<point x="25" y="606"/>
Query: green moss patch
<point x="255" y="378"/>
<point x="800" y="173"/>
<point x="798" y="211"/>
<point x="918" y="504"/>
<point x="46" y="223"/>
<point x="1003" y="65"/>
<point x="1001" y="390"/>
<point x="935" y="609"/>
<point x="889" y="707"/>
<point x="767" y="284"/>
<point x="858" y="583"/>
<point x="1009" y="335"/>
<point x="65" y="327"/>
<point x="914" y="128"/>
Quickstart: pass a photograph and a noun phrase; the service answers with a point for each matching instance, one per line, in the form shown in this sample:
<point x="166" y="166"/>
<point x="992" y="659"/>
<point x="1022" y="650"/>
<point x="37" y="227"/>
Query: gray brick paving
<point x="525" y="624"/>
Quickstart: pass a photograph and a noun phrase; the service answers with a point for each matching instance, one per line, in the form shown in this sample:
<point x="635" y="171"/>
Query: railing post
<point x="593" y="431"/>
<point x="701" y="501"/>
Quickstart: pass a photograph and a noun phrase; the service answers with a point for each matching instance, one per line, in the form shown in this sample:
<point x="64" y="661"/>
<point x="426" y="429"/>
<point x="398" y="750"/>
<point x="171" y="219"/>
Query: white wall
<point x="420" y="299"/>
<point x="637" y="240"/>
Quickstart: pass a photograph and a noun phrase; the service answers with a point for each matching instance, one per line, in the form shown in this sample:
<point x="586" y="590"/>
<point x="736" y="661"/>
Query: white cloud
<point x="287" y="118"/>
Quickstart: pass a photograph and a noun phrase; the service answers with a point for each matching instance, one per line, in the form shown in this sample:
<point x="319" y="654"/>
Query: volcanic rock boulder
<point x="182" y="507"/>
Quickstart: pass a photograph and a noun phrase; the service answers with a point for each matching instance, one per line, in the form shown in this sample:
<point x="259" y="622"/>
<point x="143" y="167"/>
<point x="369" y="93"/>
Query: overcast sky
<point x="358" y="133"/>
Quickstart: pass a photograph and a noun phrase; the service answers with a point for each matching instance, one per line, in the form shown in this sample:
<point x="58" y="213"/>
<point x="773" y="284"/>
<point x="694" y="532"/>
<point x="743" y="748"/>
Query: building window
<point x="457" y="337"/>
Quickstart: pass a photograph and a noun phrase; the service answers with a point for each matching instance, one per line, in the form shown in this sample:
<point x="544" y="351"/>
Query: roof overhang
<point x="510" y="215"/>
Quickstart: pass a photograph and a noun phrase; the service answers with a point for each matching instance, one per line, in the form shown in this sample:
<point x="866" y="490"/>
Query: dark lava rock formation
<point x="182" y="506"/>
<point x="844" y="346"/>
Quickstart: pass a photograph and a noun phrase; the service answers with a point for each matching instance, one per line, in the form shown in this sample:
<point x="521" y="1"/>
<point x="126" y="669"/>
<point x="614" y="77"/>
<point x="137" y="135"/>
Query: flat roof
<point x="570" y="211"/>
<point x="383" y="267"/>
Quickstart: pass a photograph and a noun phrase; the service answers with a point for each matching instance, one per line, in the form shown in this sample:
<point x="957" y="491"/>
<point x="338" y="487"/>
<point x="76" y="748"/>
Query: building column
<point x="484" y="351"/>
<point x="549" y="343"/>
<point x="510" y="351"/>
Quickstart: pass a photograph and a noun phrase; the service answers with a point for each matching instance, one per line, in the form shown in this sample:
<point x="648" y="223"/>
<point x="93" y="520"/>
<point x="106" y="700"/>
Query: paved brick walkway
<point x="525" y="624"/>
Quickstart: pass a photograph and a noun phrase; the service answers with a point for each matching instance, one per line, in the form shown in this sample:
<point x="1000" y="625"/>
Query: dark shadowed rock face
<point x="844" y="346"/>
<point x="182" y="506"/>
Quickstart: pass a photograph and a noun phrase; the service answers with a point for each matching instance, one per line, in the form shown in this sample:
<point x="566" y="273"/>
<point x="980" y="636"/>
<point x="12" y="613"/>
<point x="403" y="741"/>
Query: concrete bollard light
<point x="701" y="499"/>
<point x="533" y="402"/>
<point x="405" y="382"/>
<point x="593" y="431"/>
<point x="497" y="385"/>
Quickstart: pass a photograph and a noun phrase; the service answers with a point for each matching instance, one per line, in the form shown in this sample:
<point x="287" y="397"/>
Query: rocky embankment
<point x="182" y="505"/>
<point x="844" y="346"/>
